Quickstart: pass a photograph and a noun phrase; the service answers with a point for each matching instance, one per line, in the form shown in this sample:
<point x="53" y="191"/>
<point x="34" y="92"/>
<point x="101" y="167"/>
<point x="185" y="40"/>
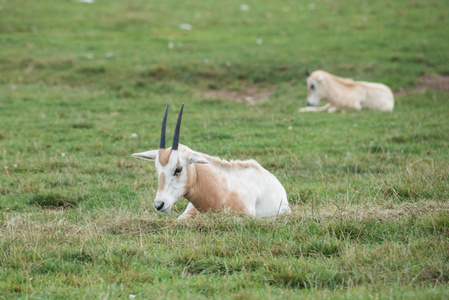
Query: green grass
<point x="369" y="190"/>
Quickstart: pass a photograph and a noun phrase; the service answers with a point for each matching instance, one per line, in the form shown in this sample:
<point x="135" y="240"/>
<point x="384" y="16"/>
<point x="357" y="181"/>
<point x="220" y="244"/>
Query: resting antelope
<point x="345" y="94"/>
<point x="210" y="184"/>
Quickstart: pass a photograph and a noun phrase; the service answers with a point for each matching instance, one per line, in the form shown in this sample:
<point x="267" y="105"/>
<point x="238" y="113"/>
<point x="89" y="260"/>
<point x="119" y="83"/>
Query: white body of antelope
<point x="211" y="184"/>
<point x="345" y="94"/>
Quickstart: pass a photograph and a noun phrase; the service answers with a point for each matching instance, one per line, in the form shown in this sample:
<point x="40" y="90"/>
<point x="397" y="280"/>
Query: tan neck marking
<point x="207" y="190"/>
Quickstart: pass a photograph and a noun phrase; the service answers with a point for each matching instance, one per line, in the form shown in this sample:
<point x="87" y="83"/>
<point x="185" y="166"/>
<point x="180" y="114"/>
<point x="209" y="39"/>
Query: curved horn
<point x="177" y="129"/>
<point x="307" y="72"/>
<point x="164" y="126"/>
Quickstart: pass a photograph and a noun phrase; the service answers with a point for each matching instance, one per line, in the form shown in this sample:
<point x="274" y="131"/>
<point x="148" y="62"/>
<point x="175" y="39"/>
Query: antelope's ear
<point x="148" y="155"/>
<point x="195" y="158"/>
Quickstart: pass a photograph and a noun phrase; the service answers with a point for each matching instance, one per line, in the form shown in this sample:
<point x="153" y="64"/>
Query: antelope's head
<point x="172" y="166"/>
<point x="315" y="88"/>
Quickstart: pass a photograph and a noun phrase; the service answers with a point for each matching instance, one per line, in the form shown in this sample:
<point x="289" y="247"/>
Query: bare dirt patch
<point x="250" y="95"/>
<point x="427" y="82"/>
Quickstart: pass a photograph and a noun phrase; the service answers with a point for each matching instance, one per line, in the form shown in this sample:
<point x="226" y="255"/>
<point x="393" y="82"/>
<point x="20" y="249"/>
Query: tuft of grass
<point x="51" y="200"/>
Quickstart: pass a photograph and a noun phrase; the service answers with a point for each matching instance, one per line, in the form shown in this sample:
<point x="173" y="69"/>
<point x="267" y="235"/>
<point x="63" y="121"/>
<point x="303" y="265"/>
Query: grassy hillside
<point x="83" y="86"/>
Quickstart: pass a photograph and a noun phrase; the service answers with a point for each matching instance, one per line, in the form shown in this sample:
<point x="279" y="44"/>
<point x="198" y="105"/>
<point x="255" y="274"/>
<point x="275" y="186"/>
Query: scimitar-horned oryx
<point x="345" y="93"/>
<point x="210" y="183"/>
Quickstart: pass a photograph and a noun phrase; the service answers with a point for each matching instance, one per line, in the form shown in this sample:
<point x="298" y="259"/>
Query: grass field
<point x="83" y="86"/>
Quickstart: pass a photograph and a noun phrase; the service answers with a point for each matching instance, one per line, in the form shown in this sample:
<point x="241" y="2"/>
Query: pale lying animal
<point x="210" y="183"/>
<point x="345" y="94"/>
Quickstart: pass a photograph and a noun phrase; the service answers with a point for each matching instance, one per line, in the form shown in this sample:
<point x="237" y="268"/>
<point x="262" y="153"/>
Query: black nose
<point x="158" y="208"/>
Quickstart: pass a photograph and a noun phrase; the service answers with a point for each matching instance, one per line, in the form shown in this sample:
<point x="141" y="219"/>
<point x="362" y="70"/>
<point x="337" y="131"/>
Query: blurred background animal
<point x="342" y="93"/>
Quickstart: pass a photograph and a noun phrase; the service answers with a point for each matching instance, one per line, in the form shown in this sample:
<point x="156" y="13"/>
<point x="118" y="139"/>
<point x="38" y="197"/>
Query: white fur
<point x="345" y="94"/>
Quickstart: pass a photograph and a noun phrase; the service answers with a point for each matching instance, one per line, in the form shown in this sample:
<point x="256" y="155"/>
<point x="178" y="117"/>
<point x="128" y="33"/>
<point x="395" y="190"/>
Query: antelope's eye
<point x="312" y="87"/>
<point x="177" y="171"/>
